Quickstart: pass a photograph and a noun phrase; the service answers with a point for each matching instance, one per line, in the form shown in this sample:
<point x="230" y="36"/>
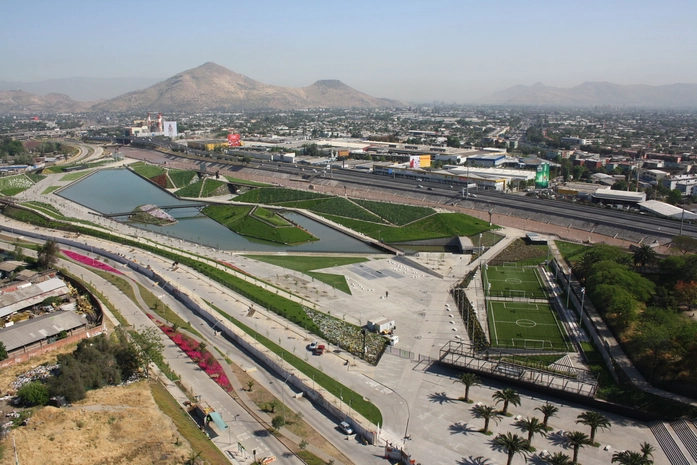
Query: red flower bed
<point x="230" y="265"/>
<point x="203" y="358"/>
<point x="89" y="261"/>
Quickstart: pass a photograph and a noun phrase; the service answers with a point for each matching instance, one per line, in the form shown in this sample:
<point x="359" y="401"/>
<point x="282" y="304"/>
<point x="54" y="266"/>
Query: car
<point x="419" y="186"/>
<point x="319" y="350"/>
<point x="345" y="427"/>
<point x="450" y="187"/>
<point x="429" y="188"/>
<point x="313" y="345"/>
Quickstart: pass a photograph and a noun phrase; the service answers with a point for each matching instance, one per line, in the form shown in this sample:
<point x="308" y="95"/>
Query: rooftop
<point x="36" y="329"/>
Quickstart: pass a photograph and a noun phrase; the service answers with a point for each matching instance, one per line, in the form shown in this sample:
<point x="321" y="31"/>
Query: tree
<point x="674" y="197"/>
<point x="277" y="422"/>
<point x="558" y="458"/>
<point x="488" y="413"/>
<point x="47" y="255"/>
<point x="507" y="396"/>
<point x="548" y="410"/>
<point x="34" y="393"/>
<point x="685" y="244"/>
<point x="577" y="439"/>
<point x="686" y="293"/>
<point x="630" y="457"/>
<point x="149" y="347"/>
<point x="533" y="426"/>
<point x="512" y="444"/>
<point x="469" y="379"/>
<point x="647" y="449"/>
<point x="644" y="255"/>
<point x="594" y="420"/>
<point x="3" y="351"/>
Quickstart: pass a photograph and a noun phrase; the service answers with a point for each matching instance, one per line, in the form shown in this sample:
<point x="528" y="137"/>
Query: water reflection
<point x="116" y="191"/>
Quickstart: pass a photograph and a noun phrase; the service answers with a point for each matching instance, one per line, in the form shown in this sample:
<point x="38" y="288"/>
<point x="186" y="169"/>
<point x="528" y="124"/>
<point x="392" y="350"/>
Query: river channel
<point x="116" y="191"/>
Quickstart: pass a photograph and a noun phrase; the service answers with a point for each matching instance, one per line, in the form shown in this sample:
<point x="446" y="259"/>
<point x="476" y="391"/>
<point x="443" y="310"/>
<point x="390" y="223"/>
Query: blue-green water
<point x="116" y="191"/>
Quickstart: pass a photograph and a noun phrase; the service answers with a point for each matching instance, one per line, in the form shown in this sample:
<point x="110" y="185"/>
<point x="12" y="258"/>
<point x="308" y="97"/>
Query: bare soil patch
<point x="114" y="425"/>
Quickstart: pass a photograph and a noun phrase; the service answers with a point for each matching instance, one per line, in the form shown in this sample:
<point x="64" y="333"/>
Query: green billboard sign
<point x="542" y="176"/>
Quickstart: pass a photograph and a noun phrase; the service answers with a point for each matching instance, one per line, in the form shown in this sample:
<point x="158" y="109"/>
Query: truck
<point x="319" y="350"/>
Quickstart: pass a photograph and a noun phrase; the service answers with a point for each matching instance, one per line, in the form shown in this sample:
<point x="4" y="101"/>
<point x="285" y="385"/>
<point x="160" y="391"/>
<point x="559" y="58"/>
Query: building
<point x="17" y="297"/>
<point x="36" y="333"/>
<point x="653" y="176"/>
<point x="667" y="210"/>
<point x="573" y="141"/>
<point x="612" y="197"/>
<point x="207" y="145"/>
<point x="487" y="160"/>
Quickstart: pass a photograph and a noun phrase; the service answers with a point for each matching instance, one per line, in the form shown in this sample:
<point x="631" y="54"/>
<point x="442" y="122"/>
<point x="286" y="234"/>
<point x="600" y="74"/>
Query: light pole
<point x="568" y="287"/>
<point x="480" y="249"/>
<point x="583" y="299"/>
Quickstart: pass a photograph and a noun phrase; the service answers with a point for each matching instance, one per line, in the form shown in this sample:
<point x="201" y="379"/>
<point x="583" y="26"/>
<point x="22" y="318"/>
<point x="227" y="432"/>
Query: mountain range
<point x="206" y="88"/>
<point x="82" y="89"/>
<point x="597" y="94"/>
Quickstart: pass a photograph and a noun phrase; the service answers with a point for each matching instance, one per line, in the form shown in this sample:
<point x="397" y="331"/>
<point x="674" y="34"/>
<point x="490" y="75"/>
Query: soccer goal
<point x="516" y="293"/>
<point x="532" y="344"/>
<point x="510" y="264"/>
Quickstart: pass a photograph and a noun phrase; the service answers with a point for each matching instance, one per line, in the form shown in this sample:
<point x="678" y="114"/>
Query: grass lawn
<point x="396" y="213"/>
<point x="514" y="282"/>
<point x="273" y="195"/>
<point x="181" y="178"/>
<point x="525" y="326"/>
<point x="147" y="171"/>
<point x="187" y="427"/>
<point x="269" y="216"/>
<point x="246" y="182"/>
<point x="50" y="189"/>
<point x="522" y="253"/>
<point x="192" y="190"/>
<point x="75" y="176"/>
<point x="434" y="226"/>
<point x="338" y="206"/>
<point x="305" y="264"/>
<point x="571" y="251"/>
<point x="46" y="209"/>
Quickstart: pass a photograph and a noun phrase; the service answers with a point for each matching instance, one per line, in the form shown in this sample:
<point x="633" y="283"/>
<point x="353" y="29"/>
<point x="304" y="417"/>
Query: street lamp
<point x="568" y="287"/>
<point x="480" y="249"/>
<point x="583" y="298"/>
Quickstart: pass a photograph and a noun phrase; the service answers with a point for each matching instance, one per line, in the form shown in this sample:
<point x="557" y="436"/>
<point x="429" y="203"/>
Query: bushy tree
<point x="47" y="255"/>
<point x="34" y="393"/>
<point x="3" y="351"/>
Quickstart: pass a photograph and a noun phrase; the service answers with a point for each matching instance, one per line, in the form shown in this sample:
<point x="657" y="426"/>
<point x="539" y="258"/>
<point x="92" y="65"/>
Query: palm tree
<point x="507" y="396"/>
<point x="488" y="412"/>
<point x="548" y="410"/>
<point x="577" y="439"/>
<point x="533" y="426"/>
<point x="644" y="254"/>
<point x="512" y="444"/>
<point x="595" y="420"/>
<point x="558" y="458"/>
<point x="469" y="379"/>
<point x="629" y="457"/>
<point x="647" y="449"/>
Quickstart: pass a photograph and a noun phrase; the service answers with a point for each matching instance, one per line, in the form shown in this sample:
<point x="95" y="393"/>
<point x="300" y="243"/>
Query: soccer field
<point x="509" y="281"/>
<point x="522" y="325"/>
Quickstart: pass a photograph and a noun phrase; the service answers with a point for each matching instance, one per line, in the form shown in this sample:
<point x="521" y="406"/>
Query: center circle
<point x="526" y="323"/>
<point x="513" y="281"/>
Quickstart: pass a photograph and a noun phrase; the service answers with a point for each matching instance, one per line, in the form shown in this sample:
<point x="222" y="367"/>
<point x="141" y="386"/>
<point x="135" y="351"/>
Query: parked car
<point x="313" y="345"/>
<point x="345" y="427"/>
<point x="319" y="350"/>
<point x="429" y="188"/>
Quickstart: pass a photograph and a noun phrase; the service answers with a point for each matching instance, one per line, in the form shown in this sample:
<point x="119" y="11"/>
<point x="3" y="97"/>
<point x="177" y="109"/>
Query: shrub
<point x="35" y="393"/>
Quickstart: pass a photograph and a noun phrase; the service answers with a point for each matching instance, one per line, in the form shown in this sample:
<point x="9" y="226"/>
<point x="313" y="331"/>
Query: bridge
<point x="198" y="206"/>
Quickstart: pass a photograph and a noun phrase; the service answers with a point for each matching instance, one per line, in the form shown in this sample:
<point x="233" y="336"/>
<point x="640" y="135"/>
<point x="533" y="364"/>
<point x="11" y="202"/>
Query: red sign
<point x="233" y="140"/>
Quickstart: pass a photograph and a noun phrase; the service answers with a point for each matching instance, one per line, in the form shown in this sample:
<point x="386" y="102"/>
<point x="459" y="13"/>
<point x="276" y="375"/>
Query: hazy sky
<point x="455" y="51"/>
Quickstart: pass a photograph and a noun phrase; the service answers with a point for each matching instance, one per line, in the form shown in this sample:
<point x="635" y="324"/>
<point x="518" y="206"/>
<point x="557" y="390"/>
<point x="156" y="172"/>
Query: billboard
<point x="542" y="176"/>
<point x="233" y="140"/>
<point x="414" y="161"/>
<point x="170" y="129"/>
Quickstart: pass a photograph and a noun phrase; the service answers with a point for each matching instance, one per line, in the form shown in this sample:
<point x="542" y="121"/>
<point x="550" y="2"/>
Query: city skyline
<point x="411" y="51"/>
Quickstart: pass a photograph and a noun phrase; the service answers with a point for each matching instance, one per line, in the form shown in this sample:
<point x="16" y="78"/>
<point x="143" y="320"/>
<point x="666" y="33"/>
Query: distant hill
<point x="82" y="89"/>
<point x="16" y="101"/>
<point x="213" y="87"/>
<point x="598" y="93"/>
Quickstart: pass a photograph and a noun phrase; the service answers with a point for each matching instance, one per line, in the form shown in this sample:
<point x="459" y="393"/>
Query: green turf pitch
<point x="525" y="326"/>
<point x="514" y="282"/>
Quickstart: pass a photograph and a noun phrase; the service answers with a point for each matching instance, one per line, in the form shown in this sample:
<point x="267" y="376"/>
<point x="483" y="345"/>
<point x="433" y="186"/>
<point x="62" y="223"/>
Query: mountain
<point x="16" y="101"/>
<point x="213" y="87"/>
<point x="598" y="93"/>
<point x="82" y="89"/>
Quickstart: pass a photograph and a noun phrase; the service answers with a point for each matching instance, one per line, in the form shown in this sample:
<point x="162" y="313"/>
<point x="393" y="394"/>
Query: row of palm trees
<point x="514" y="444"/>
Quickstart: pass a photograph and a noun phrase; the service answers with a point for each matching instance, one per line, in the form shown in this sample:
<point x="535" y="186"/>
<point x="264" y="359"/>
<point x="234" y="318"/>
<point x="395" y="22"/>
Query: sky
<point x="415" y="51"/>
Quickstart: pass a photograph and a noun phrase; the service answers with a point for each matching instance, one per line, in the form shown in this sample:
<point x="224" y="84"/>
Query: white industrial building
<point x="615" y="197"/>
<point x="667" y="210"/>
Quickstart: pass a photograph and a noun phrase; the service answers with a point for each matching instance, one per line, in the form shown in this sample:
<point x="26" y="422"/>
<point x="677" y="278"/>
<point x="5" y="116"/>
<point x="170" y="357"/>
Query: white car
<point x="313" y="345"/>
<point x="345" y="427"/>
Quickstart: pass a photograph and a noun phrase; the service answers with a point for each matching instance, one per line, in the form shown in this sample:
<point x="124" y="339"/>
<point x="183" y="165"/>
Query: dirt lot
<point x="114" y="425"/>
